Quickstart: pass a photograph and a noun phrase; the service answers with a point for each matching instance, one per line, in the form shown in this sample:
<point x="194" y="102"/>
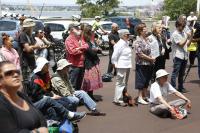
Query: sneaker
<point x="78" y="116"/>
<point x="96" y="112"/>
<point x="142" y="101"/>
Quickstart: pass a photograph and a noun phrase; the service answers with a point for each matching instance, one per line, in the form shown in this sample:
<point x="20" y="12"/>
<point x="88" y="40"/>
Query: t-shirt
<point x="113" y="36"/>
<point x="27" y="57"/>
<point x="28" y="119"/>
<point x="156" y="91"/>
<point x="96" y="25"/>
<point x="14" y="120"/>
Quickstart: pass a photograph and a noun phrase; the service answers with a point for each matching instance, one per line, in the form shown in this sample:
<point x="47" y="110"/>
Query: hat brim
<point x="162" y="75"/>
<point x="29" y="25"/>
<point x="39" y="68"/>
<point x="66" y="65"/>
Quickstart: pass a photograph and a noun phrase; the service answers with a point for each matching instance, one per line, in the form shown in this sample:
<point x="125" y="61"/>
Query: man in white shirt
<point x="159" y="90"/>
<point x="180" y="42"/>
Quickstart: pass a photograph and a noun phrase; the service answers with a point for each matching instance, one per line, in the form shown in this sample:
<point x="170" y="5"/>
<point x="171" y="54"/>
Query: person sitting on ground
<point x="16" y="112"/>
<point x="158" y="93"/>
<point x="40" y="85"/>
<point x="41" y="94"/>
<point x="63" y="87"/>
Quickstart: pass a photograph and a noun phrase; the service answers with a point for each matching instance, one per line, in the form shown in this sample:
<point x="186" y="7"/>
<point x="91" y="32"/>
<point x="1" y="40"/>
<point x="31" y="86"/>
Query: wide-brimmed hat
<point x="40" y="63"/>
<point x="62" y="63"/>
<point x="161" y="73"/>
<point x="28" y="23"/>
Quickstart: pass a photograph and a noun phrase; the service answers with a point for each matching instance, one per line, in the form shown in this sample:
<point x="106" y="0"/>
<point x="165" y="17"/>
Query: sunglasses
<point x="11" y="73"/>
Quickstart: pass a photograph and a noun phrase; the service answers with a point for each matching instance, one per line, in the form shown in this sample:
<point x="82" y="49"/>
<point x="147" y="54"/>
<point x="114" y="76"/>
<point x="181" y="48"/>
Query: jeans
<point x="52" y="109"/>
<point x="179" y="68"/>
<point x="76" y="76"/>
<point x="69" y="104"/>
<point x="82" y="96"/>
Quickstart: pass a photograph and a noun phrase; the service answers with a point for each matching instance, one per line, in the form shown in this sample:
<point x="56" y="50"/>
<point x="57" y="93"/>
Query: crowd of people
<point x="31" y="90"/>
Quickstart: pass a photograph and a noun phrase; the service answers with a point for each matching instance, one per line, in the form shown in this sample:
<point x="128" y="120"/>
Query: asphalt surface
<point x="139" y="119"/>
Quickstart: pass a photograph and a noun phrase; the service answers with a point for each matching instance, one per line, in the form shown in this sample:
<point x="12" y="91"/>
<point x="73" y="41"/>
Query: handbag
<point x="181" y="113"/>
<point x="66" y="127"/>
<point x="192" y="47"/>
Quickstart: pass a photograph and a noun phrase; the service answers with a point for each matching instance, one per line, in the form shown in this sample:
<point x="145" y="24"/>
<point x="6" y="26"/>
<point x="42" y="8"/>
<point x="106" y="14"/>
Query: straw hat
<point x="28" y="23"/>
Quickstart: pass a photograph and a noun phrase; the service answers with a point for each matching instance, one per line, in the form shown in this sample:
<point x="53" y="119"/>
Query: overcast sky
<point x="72" y="2"/>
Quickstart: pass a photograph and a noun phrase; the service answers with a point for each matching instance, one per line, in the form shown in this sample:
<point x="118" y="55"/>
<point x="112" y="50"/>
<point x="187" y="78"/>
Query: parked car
<point x="11" y="27"/>
<point x="58" y="28"/>
<point x="120" y="20"/>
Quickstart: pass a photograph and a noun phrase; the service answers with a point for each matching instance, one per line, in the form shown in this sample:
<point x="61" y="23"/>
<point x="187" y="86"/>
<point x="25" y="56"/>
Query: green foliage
<point x="91" y="8"/>
<point x="174" y="8"/>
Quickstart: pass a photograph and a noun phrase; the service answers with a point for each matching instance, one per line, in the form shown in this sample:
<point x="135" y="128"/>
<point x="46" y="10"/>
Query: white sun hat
<point x="40" y="63"/>
<point x="161" y="73"/>
<point x="62" y="63"/>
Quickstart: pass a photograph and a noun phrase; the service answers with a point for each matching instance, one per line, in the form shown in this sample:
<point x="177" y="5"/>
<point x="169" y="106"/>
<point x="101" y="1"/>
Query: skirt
<point x="143" y="75"/>
<point x="92" y="79"/>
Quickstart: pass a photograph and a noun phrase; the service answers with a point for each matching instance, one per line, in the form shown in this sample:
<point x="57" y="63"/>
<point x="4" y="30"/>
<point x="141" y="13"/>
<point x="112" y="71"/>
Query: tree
<point x="174" y="8"/>
<point x="91" y="8"/>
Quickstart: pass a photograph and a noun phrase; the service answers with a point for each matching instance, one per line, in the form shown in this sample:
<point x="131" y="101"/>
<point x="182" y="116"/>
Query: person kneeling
<point x="158" y="92"/>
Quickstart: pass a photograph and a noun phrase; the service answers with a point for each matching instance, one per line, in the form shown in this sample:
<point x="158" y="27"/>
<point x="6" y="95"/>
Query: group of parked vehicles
<point x="11" y="26"/>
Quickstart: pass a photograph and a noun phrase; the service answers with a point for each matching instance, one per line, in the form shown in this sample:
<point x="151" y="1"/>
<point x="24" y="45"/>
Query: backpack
<point x="106" y="77"/>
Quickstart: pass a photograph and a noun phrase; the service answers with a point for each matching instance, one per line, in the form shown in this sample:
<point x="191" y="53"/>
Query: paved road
<point x="138" y="119"/>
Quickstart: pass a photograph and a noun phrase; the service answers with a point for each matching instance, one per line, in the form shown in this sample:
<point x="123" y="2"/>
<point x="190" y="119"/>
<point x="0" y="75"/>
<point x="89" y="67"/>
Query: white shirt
<point x="155" y="52"/>
<point x="189" y="18"/>
<point x="122" y="55"/>
<point x="157" y="91"/>
<point x="178" y="51"/>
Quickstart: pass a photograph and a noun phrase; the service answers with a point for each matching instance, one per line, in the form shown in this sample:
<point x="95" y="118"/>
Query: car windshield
<point x="107" y="27"/>
<point x="7" y="25"/>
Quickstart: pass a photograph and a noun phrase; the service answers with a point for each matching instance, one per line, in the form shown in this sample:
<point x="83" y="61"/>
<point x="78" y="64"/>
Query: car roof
<point x="59" y="22"/>
<point x="91" y="22"/>
<point x="122" y="17"/>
